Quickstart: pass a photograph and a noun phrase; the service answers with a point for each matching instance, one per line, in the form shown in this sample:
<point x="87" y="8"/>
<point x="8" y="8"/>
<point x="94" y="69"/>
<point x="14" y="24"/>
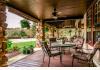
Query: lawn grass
<point x="22" y="44"/>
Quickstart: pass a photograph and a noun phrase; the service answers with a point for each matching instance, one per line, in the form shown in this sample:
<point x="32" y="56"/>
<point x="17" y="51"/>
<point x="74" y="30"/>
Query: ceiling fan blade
<point x="59" y="12"/>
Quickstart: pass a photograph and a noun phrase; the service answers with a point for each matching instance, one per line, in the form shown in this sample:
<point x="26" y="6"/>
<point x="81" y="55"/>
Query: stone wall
<point x="3" y="25"/>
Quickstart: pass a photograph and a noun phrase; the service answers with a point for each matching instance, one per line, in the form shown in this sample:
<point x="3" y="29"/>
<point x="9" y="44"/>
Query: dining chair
<point x="79" y="44"/>
<point x="86" y="57"/>
<point x="53" y="41"/>
<point x="50" y="53"/>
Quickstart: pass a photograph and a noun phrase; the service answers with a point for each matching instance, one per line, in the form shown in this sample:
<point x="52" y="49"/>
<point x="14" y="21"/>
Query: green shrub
<point x="22" y="34"/>
<point x="27" y="50"/>
<point x="15" y="48"/>
<point x="9" y="46"/>
<point x="24" y="50"/>
<point x="9" y="50"/>
<point x="9" y="43"/>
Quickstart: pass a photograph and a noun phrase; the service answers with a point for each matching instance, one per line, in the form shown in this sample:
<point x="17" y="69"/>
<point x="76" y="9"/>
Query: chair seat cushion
<point x="79" y="56"/>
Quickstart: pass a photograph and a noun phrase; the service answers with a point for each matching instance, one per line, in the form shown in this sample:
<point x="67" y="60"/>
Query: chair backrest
<point x="66" y="39"/>
<point x="82" y="42"/>
<point x="45" y="48"/>
<point x="52" y="39"/>
<point x="79" y="42"/>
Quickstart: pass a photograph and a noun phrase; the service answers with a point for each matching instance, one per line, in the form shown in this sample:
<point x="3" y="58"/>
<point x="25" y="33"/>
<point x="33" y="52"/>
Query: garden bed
<point x="20" y="44"/>
<point x="12" y="54"/>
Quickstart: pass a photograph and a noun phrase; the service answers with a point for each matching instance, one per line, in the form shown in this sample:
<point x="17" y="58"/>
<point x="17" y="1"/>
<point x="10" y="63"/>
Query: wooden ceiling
<point x="42" y="9"/>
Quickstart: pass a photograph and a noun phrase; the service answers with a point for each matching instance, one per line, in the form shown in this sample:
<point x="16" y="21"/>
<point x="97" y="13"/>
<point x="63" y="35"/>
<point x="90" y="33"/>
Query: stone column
<point x="3" y="58"/>
<point x="39" y="33"/>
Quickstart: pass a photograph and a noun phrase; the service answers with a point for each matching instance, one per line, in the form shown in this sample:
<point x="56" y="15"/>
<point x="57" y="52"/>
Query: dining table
<point x="61" y="46"/>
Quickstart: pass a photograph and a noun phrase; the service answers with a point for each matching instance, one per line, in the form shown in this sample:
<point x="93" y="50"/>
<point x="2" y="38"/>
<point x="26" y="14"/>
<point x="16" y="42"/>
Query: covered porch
<point x="59" y="19"/>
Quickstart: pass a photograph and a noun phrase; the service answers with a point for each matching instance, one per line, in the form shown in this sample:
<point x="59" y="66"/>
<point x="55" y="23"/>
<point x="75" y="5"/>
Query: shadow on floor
<point x="36" y="60"/>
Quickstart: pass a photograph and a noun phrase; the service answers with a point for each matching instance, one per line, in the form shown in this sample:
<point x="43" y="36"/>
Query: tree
<point x="22" y="33"/>
<point x="25" y="24"/>
<point x="15" y="34"/>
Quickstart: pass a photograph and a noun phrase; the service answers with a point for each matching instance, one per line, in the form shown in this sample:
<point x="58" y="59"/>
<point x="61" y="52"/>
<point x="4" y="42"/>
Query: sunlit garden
<point x="22" y="46"/>
<point x="20" y="37"/>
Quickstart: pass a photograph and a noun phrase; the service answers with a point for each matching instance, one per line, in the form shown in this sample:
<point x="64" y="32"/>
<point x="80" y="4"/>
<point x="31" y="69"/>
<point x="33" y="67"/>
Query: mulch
<point x="12" y="54"/>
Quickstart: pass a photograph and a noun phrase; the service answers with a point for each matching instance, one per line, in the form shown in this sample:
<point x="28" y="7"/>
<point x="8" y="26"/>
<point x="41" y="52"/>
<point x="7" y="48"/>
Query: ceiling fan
<point x="55" y="13"/>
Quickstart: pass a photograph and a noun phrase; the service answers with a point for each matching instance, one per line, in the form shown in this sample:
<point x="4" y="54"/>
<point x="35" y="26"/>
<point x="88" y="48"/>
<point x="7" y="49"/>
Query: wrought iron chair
<point x="50" y="53"/>
<point x="53" y="41"/>
<point x="87" y="57"/>
<point x="79" y="44"/>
